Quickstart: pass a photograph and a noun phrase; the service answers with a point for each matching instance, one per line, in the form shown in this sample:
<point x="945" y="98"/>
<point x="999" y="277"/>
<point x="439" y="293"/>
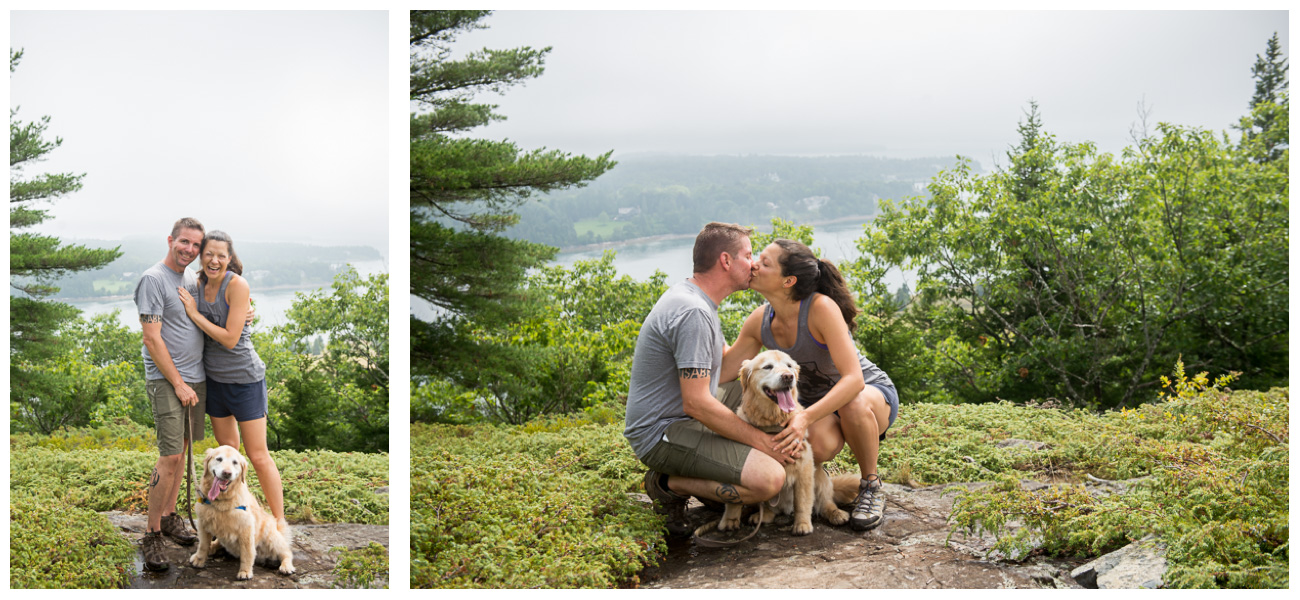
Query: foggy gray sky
<point x="269" y="125"/>
<point x="885" y="83"/>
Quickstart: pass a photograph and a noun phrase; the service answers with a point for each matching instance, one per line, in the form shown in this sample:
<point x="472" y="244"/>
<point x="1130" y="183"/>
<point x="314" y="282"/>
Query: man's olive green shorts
<point x="690" y="449"/>
<point x="169" y="415"/>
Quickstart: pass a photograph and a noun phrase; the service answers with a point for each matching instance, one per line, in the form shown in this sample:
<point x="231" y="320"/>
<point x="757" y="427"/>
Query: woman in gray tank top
<point x="810" y="316"/>
<point x="237" y="402"/>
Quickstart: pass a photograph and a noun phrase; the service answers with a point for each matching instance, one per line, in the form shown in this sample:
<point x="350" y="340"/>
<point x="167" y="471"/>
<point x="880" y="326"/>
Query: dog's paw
<point x="837" y="517"/>
<point x="727" y="524"/>
<point x="244" y="574"/>
<point x="286" y="568"/>
<point x="198" y="559"/>
<point x="768" y="516"/>
<point x="802" y="527"/>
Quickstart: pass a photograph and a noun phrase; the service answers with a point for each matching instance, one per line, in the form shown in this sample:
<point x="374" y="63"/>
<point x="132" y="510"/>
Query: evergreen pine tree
<point x="35" y="260"/>
<point x="1268" y="124"/>
<point x="463" y="190"/>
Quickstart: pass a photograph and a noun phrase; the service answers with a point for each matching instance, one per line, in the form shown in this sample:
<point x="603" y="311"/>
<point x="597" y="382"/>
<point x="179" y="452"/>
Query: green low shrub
<point x="1216" y="490"/>
<point x="55" y="545"/>
<point x="319" y="486"/>
<point x="595" y="448"/>
<point x="361" y="568"/>
<point x="500" y="507"/>
<point x="334" y="487"/>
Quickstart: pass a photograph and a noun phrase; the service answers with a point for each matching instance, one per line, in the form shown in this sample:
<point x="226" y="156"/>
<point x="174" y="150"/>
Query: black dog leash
<point x="189" y="469"/>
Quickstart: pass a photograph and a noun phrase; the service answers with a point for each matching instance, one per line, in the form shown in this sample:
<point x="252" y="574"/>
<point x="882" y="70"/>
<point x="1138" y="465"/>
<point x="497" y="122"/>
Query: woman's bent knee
<point x="860" y="410"/>
<point x="825" y="449"/>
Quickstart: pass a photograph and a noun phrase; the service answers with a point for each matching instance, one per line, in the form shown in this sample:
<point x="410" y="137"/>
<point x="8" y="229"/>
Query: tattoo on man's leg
<point x="727" y="493"/>
<point x="153" y="479"/>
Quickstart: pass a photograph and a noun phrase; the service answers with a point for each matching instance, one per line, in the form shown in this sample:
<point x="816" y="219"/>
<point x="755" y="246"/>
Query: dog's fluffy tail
<point x="283" y="527"/>
<point x="846" y="487"/>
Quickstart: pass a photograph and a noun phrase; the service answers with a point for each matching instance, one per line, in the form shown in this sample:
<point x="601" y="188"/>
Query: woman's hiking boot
<point x="152" y="549"/>
<point x="173" y="526"/>
<point x="869" y="506"/>
<point x="668" y="503"/>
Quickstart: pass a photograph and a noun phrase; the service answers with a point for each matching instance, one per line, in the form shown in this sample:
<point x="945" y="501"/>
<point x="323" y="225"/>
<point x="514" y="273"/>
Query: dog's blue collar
<point x="205" y="501"/>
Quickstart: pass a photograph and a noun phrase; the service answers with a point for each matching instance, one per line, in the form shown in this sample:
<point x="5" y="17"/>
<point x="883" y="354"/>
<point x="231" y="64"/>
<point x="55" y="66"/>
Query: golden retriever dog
<point x="770" y="399"/>
<point x="230" y="517"/>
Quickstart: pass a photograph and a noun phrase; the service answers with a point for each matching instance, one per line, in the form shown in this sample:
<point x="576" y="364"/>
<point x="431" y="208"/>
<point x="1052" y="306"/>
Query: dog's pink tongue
<point x="215" y="491"/>
<point x="785" y="400"/>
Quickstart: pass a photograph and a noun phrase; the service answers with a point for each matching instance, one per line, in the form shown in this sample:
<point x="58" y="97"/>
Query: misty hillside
<point x="269" y="264"/>
<point x="656" y="194"/>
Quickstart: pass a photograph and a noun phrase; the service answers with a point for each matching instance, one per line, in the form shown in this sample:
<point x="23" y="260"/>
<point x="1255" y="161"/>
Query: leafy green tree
<point x="1084" y="280"/>
<point x="560" y="359"/>
<point x="36" y="261"/>
<point x="102" y="341"/>
<point x="463" y="190"/>
<point x="590" y="294"/>
<point x="337" y="399"/>
<point x="98" y="379"/>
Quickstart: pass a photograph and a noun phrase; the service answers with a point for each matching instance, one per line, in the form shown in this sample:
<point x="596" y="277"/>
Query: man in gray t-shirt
<point x="693" y="444"/>
<point x="174" y="380"/>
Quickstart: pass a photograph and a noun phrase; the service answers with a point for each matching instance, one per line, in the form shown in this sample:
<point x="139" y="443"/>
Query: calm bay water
<point x="836" y="242"/>
<point x="272" y="305"/>
<point x="640" y="259"/>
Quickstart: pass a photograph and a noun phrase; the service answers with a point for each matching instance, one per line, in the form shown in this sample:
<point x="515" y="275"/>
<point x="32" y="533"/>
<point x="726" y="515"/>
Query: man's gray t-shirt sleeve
<point x="149" y="298"/>
<point x="693" y="340"/>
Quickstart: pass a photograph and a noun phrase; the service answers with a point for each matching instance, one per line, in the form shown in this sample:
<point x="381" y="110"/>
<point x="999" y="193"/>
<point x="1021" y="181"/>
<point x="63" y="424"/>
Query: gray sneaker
<point x="869" y="506"/>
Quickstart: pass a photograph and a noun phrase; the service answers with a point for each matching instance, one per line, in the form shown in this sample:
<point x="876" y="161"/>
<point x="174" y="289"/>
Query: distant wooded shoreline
<point x="678" y="236"/>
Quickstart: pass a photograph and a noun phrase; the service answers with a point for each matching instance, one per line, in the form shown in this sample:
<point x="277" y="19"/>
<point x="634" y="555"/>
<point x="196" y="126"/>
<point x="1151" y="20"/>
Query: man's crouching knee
<point x="766" y="477"/>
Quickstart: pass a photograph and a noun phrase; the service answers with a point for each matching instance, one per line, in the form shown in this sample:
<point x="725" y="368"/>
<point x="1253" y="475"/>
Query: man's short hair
<point x="187" y="223"/>
<point x="715" y="239"/>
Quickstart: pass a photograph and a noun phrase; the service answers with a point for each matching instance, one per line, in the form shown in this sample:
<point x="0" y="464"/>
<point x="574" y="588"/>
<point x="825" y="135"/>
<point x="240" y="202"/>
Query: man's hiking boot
<point x="151" y="548"/>
<point x="668" y="503"/>
<point x="869" y="506"/>
<point x="173" y="526"/>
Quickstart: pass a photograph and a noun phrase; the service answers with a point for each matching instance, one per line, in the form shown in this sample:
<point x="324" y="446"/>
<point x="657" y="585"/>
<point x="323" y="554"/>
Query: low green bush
<point x="319" y="486"/>
<point x="119" y="434"/>
<point x="1216" y="489"/>
<point x="361" y="568"/>
<point x="55" y="545"/>
<point x="511" y="506"/>
<point x="333" y="487"/>
<point x="497" y="506"/>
